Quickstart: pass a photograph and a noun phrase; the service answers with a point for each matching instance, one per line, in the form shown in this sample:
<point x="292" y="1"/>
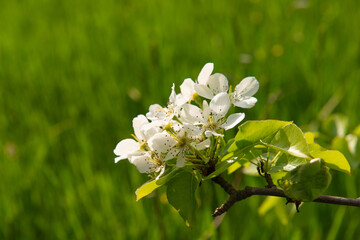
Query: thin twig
<point x="269" y="180"/>
<point x="238" y="195"/>
<point x="224" y="184"/>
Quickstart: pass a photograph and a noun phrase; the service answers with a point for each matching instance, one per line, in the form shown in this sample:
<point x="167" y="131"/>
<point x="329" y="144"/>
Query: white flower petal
<point x="125" y="148"/>
<point x="209" y="133"/>
<point x="192" y="114"/>
<point x="233" y="120"/>
<point x="161" y="142"/>
<point x="191" y="130"/>
<point x="172" y="153"/>
<point x="218" y="83"/>
<point x="181" y="160"/>
<point x="246" y="103"/>
<point x="206" y="110"/>
<point x="181" y="100"/>
<point x="247" y="87"/>
<point x="156" y="112"/>
<point x="187" y="89"/>
<point x="150" y="129"/>
<point x="220" y="105"/>
<point x="205" y="73"/>
<point x="143" y="163"/>
<point x="203" y="91"/>
<point x="176" y="126"/>
<point x="138" y="123"/>
<point x="172" y="98"/>
<point x="203" y="145"/>
<point x="161" y="172"/>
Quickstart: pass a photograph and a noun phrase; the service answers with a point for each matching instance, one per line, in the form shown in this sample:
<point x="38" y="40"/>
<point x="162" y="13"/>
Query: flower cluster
<point x="185" y="127"/>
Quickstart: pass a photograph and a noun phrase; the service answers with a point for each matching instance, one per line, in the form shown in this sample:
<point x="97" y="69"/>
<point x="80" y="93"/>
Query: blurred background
<point x="73" y="74"/>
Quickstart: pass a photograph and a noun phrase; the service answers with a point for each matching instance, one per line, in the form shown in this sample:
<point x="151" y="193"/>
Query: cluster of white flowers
<point x="184" y="127"/>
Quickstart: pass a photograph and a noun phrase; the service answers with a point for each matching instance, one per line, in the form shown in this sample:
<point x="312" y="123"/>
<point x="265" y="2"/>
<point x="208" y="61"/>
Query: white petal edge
<point x="191" y="130"/>
<point x="192" y="114"/>
<point x="172" y="98"/>
<point x="233" y="120"/>
<point x="205" y="73"/>
<point x="172" y="153"/>
<point x="156" y="112"/>
<point x="209" y="133"/>
<point x="218" y="83"/>
<point x="161" y="142"/>
<point x="125" y="147"/>
<point x="246" y="103"/>
<point x="187" y="88"/>
<point x="143" y="163"/>
<point x="203" y="145"/>
<point x="203" y="91"/>
<point x="138" y="123"/>
<point x="247" y="87"/>
<point x="220" y="105"/>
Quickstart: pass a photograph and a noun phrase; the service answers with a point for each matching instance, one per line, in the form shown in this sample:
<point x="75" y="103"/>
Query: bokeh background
<point x="73" y="74"/>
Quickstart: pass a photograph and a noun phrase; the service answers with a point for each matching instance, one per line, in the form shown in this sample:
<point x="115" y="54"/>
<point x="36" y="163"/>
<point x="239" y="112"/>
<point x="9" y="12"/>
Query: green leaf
<point x="287" y="163"/>
<point x="235" y="166"/>
<point x="181" y="195"/>
<point x="310" y="137"/>
<point x="334" y="159"/>
<point x="290" y="139"/>
<point x="151" y="185"/>
<point x="314" y="147"/>
<point x="252" y="132"/>
<point x="307" y="181"/>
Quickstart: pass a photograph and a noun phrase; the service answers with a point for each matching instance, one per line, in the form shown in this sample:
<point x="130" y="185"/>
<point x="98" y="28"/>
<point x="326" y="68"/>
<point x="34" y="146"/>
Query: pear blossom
<point x="166" y="114"/>
<point x="187" y="91"/>
<point x="211" y="118"/>
<point x="244" y="91"/>
<point x="129" y="147"/>
<point x="177" y="143"/>
<point x="136" y="151"/>
<point x="161" y="142"/>
<point x="209" y="85"/>
<point x="185" y="139"/>
<point x="181" y="128"/>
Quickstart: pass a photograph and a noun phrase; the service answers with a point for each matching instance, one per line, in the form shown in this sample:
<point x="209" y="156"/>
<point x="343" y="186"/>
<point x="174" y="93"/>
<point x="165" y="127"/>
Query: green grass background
<point x="73" y="74"/>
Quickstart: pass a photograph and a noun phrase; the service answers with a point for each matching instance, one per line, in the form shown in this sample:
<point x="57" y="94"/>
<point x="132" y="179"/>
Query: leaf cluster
<point x="271" y="147"/>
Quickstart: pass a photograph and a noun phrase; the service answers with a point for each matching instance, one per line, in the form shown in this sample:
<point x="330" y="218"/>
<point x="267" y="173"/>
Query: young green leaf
<point x="307" y="181"/>
<point x="252" y="132"/>
<point x="309" y="137"/>
<point x="287" y="163"/>
<point x="181" y="195"/>
<point x="291" y="140"/>
<point x="334" y="159"/>
<point x="151" y="185"/>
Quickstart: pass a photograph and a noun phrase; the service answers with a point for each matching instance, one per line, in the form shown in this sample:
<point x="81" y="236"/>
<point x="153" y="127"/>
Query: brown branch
<point x="269" y="181"/>
<point x="224" y="184"/>
<point x="238" y="195"/>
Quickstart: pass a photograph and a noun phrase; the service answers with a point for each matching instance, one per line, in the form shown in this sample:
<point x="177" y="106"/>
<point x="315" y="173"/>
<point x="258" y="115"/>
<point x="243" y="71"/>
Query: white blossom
<point x="184" y="140"/>
<point x="212" y="117"/>
<point x="210" y="85"/>
<point x="187" y="92"/>
<point x="166" y="114"/>
<point x="135" y="151"/>
<point x="244" y="91"/>
<point x="181" y="128"/>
